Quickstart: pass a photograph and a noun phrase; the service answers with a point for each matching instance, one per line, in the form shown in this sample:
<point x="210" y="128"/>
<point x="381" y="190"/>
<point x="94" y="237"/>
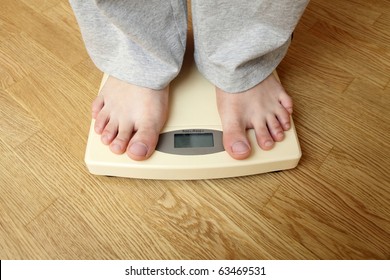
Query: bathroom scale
<point x="190" y="144"/>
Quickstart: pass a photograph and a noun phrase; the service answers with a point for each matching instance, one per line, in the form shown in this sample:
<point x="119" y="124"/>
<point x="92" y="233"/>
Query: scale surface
<point x="193" y="127"/>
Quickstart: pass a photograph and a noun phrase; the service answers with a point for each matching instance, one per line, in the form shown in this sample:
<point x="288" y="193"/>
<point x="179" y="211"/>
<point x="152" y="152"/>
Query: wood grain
<point x="334" y="205"/>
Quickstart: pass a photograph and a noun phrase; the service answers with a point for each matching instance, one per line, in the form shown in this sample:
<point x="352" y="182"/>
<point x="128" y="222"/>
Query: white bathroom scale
<point x="190" y="145"/>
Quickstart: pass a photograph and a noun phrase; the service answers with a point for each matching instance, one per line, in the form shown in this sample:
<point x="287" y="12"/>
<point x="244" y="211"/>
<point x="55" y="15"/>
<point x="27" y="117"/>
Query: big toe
<point x="236" y="143"/>
<point x="142" y="144"/>
<point x="138" y="150"/>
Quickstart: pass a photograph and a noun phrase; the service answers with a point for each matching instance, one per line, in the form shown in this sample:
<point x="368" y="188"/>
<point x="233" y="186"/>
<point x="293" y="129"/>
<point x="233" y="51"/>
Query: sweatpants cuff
<point x="244" y="77"/>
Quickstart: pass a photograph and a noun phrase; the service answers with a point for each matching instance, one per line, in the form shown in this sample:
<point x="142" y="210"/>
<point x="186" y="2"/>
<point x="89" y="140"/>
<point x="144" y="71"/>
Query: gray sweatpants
<point x="238" y="43"/>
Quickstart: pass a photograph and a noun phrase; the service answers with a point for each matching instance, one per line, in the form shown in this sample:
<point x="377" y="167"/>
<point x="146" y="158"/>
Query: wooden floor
<point x="334" y="205"/>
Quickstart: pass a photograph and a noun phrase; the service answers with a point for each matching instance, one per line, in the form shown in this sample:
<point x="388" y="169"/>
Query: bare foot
<point x="129" y="118"/>
<point x="266" y="108"/>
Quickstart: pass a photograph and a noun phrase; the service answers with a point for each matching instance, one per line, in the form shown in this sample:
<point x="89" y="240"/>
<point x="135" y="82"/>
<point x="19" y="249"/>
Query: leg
<point x="238" y="44"/>
<point x="140" y="44"/>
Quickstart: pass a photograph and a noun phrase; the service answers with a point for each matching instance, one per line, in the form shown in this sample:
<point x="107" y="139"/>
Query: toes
<point x="109" y="132"/>
<point x="121" y="141"/>
<point x="236" y="142"/>
<point x="264" y="138"/>
<point x="101" y="121"/>
<point x="143" y="144"/>
<point x="97" y="106"/>
<point x="283" y="117"/>
<point x="286" y="102"/>
<point x="275" y="128"/>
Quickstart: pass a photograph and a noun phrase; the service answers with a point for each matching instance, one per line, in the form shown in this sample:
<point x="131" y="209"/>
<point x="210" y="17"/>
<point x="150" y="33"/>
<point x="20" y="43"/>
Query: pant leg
<point x="238" y="43"/>
<point x="138" y="41"/>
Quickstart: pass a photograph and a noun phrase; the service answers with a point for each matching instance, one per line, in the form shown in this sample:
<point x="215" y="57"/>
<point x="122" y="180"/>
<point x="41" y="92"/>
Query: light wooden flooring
<point x="334" y="205"/>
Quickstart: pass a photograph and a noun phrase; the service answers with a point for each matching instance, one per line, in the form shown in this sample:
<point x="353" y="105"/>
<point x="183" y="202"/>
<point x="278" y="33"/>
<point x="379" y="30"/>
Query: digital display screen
<point x="193" y="140"/>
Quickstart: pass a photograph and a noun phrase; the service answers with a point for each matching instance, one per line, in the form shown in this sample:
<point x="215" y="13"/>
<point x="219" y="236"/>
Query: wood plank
<point x="60" y="43"/>
<point x="345" y="20"/>
<point x="16" y="123"/>
<point x="5" y="78"/>
<point x="318" y="216"/>
<point x="54" y="163"/>
<point x="344" y="58"/>
<point x="217" y="225"/>
<point x="355" y="11"/>
<point x="378" y="6"/>
<point x="62" y="14"/>
<point x="21" y="55"/>
<point x="41" y="5"/>
<point x="334" y="205"/>
<point x="22" y="194"/>
<point x="382" y="24"/>
<point x="7" y="30"/>
<point x="351" y="180"/>
<point x="97" y="227"/>
<point x="303" y="62"/>
<point x="88" y="71"/>
<point x="53" y="97"/>
<point x="369" y="51"/>
<point x="16" y="242"/>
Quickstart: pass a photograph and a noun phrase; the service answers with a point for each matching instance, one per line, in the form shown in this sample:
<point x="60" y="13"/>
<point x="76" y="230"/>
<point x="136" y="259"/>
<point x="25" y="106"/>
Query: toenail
<point x="116" y="148"/>
<point x="280" y="135"/>
<point x="138" y="149"/>
<point x="240" y="148"/>
<point x="98" y="129"/>
<point x="105" y="139"/>
<point x="268" y="144"/>
<point x="287" y="125"/>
